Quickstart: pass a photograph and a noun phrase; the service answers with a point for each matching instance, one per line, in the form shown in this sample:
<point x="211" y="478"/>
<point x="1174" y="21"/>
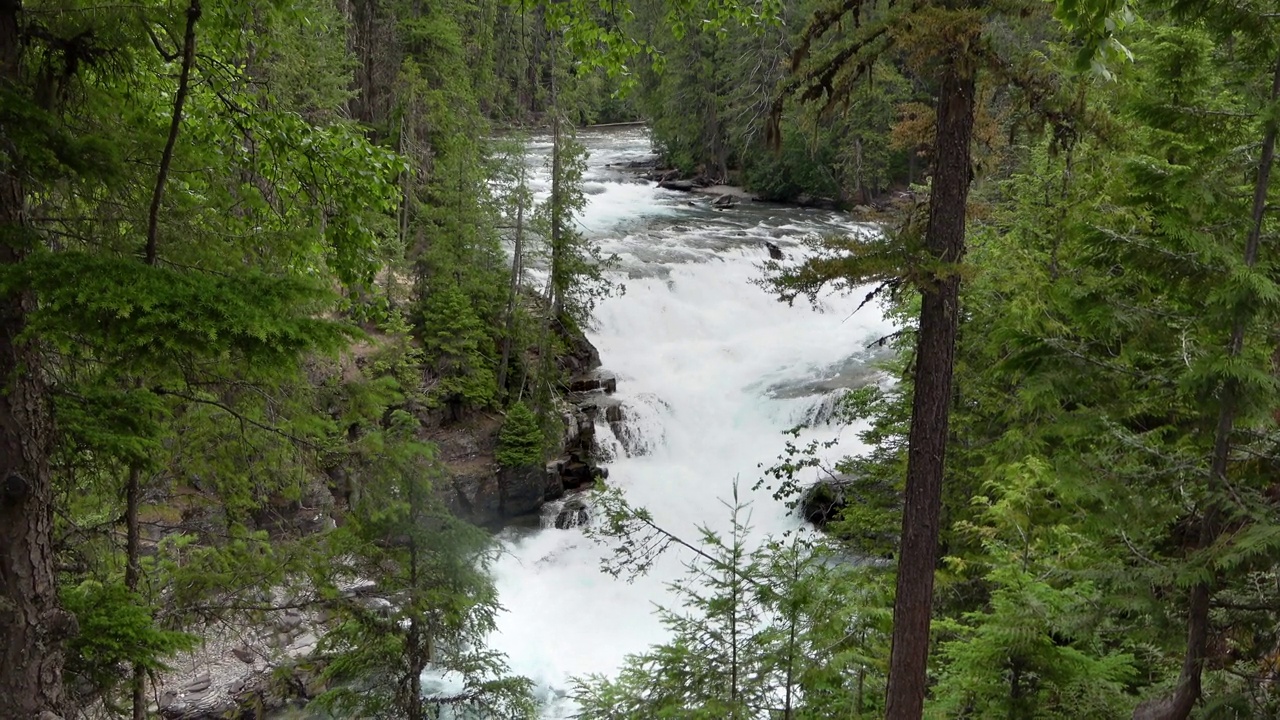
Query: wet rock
<point x="573" y="514"/>
<point x="575" y="473"/>
<point x="594" y="382"/>
<point x="724" y="201"/>
<point x="555" y="485"/>
<point x="775" y="252"/>
<point x="614" y="414"/>
<point x="244" y="654"/>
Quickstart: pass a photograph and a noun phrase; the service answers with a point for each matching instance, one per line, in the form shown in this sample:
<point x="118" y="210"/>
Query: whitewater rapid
<point x="711" y="370"/>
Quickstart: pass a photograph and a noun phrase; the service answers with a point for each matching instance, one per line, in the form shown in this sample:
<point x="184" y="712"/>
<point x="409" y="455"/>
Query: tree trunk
<point x="557" y="198"/>
<point x="1178" y="706"/>
<point x="513" y="292"/>
<point x="931" y="404"/>
<point x="132" y="573"/>
<point x="32" y="625"/>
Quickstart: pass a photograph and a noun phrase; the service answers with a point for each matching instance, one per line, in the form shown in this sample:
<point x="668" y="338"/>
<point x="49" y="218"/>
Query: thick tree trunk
<point x="1182" y="701"/>
<point x="931" y="406"/>
<point x="32" y="627"/>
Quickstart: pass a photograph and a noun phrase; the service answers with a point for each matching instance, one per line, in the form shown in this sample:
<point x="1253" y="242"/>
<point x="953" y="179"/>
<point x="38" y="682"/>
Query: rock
<point x="199" y="697"/>
<point x="522" y="489"/>
<point x="775" y="252"/>
<point x="580" y="356"/>
<point x="724" y="201"/>
<point x="199" y="683"/>
<point x="573" y="514"/>
<point x="822" y="502"/>
<point x="289" y="621"/>
<point x="681" y="185"/>
<point x="614" y="414"/>
<point x="577" y="474"/>
<point x="168" y="699"/>
<point x="244" y="654"/>
<point x="594" y="382"/>
<point x="555" y="485"/>
<point x="476" y="497"/>
<point x="304" y="644"/>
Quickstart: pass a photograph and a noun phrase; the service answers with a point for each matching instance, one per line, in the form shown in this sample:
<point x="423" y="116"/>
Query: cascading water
<point x="711" y="369"/>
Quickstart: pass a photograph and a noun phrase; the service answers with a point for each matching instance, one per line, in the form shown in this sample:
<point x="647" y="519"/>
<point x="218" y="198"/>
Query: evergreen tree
<point x="520" y="440"/>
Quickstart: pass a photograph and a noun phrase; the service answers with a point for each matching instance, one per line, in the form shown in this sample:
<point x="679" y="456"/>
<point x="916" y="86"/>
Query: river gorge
<point x="711" y="371"/>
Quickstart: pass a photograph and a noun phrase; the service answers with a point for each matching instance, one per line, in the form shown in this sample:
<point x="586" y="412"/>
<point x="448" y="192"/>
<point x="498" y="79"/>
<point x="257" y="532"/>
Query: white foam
<point x="695" y="346"/>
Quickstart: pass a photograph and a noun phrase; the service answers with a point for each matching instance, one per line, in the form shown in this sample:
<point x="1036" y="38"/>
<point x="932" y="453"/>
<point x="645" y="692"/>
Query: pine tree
<point x="520" y="440"/>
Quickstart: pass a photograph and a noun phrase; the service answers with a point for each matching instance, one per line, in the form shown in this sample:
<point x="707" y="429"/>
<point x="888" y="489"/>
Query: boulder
<point x="724" y="201"/>
<point x="594" y="382"/>
<point x="580" y="355"/>
<point x="822" y="502"/>
<point x="575" y="473"/>
<point x="522" y="489"/>
<point x="244" y="654"/>
<point x="573" y="514"/>
<point x="555" y="484"/>
<point x="680" y="185"/>
<point x="775" y="252"/>
<point x="614" y="414"/>
<point x="197" y="684"/>
<point x="476" y="497"/>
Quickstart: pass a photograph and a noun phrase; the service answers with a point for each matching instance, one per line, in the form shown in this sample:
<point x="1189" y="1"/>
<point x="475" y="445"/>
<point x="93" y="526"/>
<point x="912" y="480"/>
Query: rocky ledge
<point x="484" y="493"/>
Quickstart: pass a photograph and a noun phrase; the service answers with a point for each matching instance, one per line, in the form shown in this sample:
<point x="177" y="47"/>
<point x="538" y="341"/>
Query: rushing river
<point x="711" y="370"/>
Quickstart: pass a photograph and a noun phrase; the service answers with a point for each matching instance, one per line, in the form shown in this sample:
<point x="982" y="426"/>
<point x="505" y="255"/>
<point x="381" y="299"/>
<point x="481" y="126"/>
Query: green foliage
<point x="429" y="602"/>
<point x="520" y="440"/>
<point x="455" y="344"/>
<point x="765" y="628"/>
<point x="116" y="630"/>
<point x="1037" y="648"/>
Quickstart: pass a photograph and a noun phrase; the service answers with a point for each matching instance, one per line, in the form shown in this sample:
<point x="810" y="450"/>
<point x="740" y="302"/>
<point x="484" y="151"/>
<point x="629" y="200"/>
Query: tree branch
<point x="188" y="59"/>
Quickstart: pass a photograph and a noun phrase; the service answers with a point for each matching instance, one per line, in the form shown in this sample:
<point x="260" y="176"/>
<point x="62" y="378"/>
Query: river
<point x="711" y="370"/>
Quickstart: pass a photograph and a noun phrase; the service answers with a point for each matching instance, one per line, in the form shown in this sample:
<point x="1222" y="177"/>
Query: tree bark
<point x="32" y="626"/>
<point x="1186" y="694"/>
<point x="931" y="404"/>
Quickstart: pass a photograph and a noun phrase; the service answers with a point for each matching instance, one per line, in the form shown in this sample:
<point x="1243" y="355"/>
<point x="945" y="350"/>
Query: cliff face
<point x="484" y="493"/>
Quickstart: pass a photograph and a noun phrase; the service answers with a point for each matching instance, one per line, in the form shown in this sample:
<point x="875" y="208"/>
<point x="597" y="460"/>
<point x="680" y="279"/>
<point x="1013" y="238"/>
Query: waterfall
<point x="711" y="370"/>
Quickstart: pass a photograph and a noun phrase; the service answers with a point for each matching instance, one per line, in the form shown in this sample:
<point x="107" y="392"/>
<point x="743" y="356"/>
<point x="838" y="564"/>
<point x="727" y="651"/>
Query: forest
<point x="275" y="279"/>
